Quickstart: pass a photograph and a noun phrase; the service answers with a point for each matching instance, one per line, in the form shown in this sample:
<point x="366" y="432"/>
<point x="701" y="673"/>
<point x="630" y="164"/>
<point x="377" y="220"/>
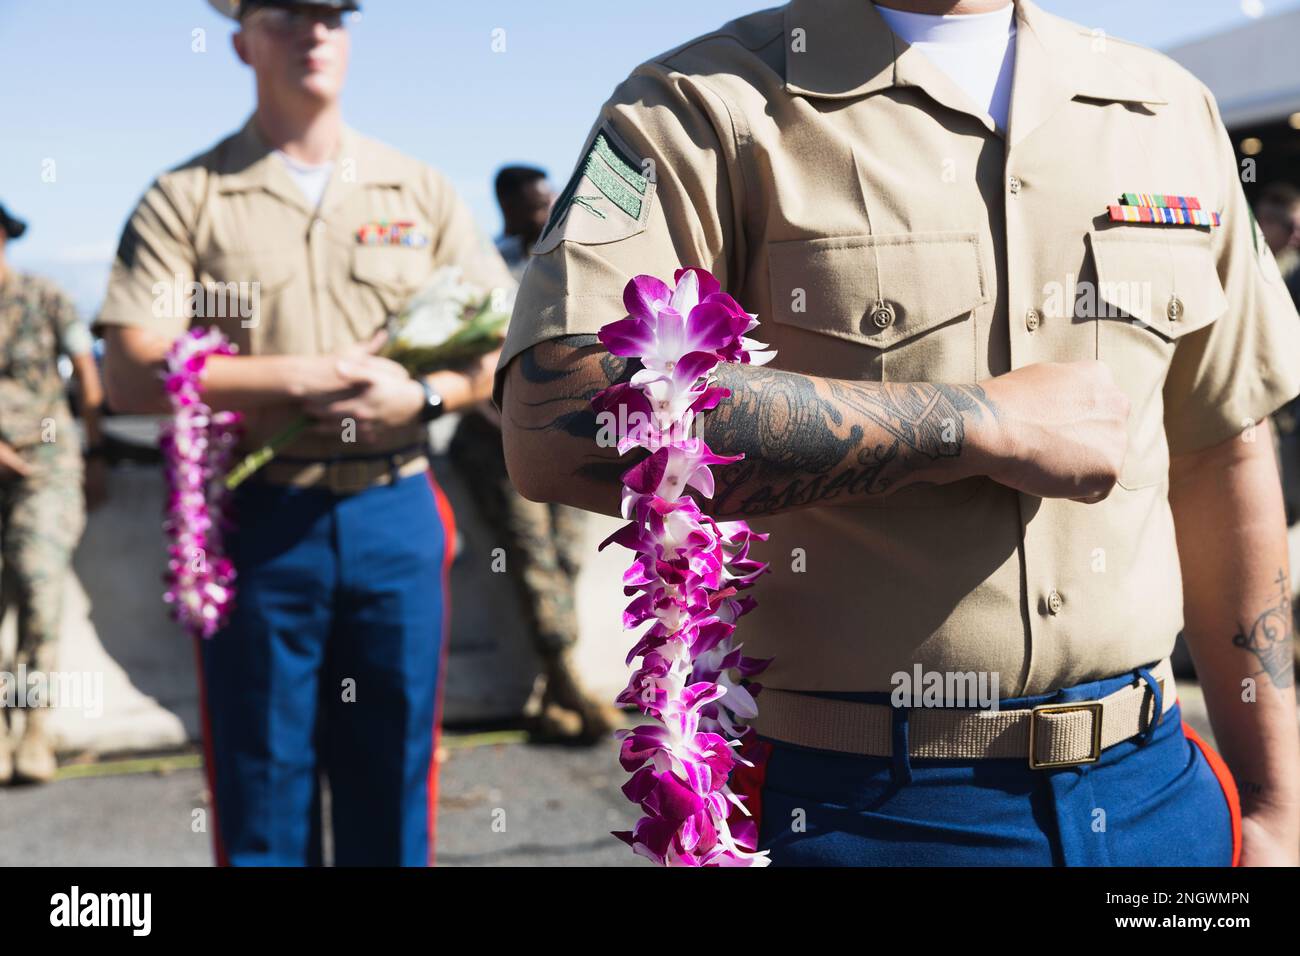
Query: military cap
<point x="237" y="8"/>
<point x="13" y="228"/>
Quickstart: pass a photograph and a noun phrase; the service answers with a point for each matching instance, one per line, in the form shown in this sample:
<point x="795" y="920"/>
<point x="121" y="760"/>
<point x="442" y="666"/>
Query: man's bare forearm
<point x="134" y="369"/>
<point x="808" y="441"/>
<point x="1227" y="508"/>
<point x="91" y="393"/>
<point x="824" y="441"/>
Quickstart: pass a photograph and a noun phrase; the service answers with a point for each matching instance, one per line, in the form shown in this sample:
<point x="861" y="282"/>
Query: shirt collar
<point x="250" y="164"/>
<point x="841" y="49"/>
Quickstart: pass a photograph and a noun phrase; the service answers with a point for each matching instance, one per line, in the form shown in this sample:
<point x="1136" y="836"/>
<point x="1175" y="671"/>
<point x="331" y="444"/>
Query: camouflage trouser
<point x="542" y="542"/>
<point x="41" y="520"/>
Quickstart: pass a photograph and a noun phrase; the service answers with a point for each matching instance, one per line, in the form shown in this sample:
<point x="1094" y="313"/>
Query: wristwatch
<point x="432" y="407"/>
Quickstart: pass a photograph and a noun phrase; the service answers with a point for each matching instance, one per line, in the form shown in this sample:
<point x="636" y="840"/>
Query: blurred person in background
<point x="331" y="662"/>
<point x="1278" y="213"/>
<point x="42" y="482"/>
<point x="525" y="196"/>
<point x="543" y="542"/>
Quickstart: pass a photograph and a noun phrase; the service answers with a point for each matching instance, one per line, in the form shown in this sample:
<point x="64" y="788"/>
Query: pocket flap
<point x="830" y="285"/>
<point x="1165" y="280"/>
<point x="270" y="270"/>
<point x="394" y="267"/>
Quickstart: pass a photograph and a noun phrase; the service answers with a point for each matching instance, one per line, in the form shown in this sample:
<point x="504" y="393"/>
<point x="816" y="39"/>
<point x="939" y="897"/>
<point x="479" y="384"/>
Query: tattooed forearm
<point x="806" y="440"/>
<point x="556" y="383"/>
<point x="566" y="386"/>
<point x="1269" y="637"/>
<point x="801" y="449"/>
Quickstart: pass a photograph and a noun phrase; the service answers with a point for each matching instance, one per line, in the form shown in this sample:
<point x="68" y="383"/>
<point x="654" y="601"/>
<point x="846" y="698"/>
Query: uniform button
<point x="882" y="316"/>
<point x="1014" y="184"/>
<point x="1054" y="601"/>
<point x="1175" y="308"/>
<point x="1032" y="320"/>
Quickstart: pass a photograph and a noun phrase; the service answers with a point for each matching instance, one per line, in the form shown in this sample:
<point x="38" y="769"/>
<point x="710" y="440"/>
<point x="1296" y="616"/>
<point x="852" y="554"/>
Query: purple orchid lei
<point x="198" y="445"/>
<point x="686" y="574"/>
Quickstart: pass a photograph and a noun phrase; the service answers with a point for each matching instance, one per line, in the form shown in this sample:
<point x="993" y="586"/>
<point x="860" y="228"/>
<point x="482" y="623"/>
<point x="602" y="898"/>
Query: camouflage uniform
<point x="41" y="515"/>
<point x="543" y="546"/>
<point x="543" y="542"/>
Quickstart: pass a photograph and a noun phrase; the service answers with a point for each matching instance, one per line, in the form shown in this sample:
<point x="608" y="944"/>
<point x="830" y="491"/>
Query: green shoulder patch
<point x="607" y="199"/>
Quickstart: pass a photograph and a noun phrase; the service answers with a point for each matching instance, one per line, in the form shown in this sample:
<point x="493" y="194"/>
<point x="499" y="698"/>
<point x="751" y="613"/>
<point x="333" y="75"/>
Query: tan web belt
<point x="345" y="476"/>
<point x="1050" y="735"/>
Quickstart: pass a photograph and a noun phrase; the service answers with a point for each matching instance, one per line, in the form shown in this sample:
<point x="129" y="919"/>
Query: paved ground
<point x="504" y="803"/>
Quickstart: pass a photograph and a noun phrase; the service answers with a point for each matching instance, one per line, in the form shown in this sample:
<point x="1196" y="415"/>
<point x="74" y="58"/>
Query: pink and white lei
<point x="198" y="445"/>
<point x="686" y="574"/>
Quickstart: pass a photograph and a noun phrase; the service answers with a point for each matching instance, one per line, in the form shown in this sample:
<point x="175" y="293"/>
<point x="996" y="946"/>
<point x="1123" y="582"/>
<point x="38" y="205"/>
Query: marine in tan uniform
<point x="1008" y="432"/>
<point x="44" y="490"/>
<point x="302" y="237"/>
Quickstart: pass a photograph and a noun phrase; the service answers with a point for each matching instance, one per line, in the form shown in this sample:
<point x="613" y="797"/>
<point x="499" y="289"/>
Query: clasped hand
<point x="357" y="387"/>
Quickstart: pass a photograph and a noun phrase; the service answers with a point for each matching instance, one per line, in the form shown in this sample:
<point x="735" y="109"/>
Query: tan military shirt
<point x="228" y="239"/>
<point x="814" y="163"/>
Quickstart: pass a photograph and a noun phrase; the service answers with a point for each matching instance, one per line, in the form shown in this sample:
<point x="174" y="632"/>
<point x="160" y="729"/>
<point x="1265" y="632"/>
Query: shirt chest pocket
<point x="895" y="308"/>
<point x="1153" y="288"/>
<point x="241" y="293"/>
<point x="389" y="275"/>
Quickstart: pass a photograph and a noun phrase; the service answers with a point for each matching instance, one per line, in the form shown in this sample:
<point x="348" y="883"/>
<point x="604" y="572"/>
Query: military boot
<point x="565" y="690"/>
<point x="34" y="759"/>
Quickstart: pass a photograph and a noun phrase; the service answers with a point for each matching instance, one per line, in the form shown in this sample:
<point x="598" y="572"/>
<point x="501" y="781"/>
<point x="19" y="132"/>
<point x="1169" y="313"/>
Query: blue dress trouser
<point x="330" y="665"/>
<point x="1162" y="799"/>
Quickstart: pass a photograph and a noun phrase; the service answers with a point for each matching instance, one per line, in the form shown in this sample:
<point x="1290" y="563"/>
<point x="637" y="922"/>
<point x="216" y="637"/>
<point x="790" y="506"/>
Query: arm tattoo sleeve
<point x="558" y="396"/>
<point x="1269" y="637"/>
<point x="806" y="440"/>
<point x="800" y="450"/>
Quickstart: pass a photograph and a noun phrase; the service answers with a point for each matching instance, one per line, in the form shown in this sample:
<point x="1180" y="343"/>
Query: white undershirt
<point x="310" y="179"/>
<point x="976" y="50"/>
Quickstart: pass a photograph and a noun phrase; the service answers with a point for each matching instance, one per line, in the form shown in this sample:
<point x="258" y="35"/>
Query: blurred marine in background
<point x="1278" y="214"/>
<point x="543" y="542"/>
<point x="42" y="513"/>
<point x="331" y="662"/>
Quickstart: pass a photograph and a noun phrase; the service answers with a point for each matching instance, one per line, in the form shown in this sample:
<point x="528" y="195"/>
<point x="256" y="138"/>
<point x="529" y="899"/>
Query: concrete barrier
<point x="115" y="625"/>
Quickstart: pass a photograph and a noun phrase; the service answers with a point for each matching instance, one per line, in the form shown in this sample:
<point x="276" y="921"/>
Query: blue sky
<point x="113" y="93"/>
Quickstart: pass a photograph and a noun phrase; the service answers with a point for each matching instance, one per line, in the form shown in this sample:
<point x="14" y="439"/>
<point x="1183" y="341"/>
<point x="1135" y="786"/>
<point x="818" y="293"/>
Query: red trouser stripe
<point x="747" y="782"/>
<point x="449" y="551"/>
<point x="209" y="765"/>
<point x="1229" y="786"/>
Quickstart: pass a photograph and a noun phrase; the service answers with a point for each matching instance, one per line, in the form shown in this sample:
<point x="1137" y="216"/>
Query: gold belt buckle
<point x="1095" y="751"/>
<point x="348" y="477"/>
